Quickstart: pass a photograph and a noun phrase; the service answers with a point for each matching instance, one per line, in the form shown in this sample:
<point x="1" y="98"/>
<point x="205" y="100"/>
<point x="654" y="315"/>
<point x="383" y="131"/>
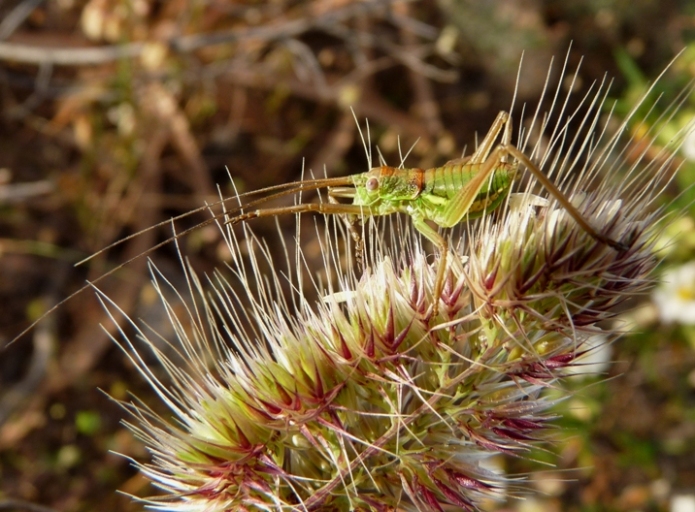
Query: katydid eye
<point x="372" y="185"/>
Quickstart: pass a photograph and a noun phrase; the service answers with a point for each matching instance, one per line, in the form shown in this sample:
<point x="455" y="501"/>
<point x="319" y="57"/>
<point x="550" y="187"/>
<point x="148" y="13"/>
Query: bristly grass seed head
<point x="365" y="402"/>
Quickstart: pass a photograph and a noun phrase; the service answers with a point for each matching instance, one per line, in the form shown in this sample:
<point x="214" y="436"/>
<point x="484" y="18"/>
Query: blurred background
<point x="119" y="114"/>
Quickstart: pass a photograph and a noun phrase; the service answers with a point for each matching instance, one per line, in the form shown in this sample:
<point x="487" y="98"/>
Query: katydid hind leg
<point x="459" y="205"/>
<point x="458" y="161"/>
<point x="561" y="198"/>
<point x="486" y="156"/>
<point x="482" y="152"/>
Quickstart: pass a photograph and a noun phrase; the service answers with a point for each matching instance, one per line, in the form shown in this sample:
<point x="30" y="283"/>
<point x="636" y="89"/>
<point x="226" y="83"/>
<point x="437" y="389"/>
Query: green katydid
<point x="446" y="195"/>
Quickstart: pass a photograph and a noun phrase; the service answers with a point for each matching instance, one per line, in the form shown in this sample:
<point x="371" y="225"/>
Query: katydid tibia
<point x="446" y="195"/>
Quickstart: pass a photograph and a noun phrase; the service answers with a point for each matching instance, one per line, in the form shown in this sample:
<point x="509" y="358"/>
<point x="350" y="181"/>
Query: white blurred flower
<point x="595" y="360"/>
<point x="683" y="503"/>
<point x="675" y="298"/>
<point x="688" y="147"/>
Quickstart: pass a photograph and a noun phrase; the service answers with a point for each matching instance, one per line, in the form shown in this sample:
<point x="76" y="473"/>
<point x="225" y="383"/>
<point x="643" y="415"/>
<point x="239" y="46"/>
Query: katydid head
<point x="381" y="186"/>
<point x="369" y="188"/>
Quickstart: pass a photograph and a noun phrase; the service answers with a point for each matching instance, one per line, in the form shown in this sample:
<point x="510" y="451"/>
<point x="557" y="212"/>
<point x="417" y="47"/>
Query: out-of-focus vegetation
<point x="120" y="114"/>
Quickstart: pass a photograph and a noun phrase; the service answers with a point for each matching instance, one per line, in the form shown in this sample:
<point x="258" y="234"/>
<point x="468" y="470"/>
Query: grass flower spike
<point x="364" y="400"/>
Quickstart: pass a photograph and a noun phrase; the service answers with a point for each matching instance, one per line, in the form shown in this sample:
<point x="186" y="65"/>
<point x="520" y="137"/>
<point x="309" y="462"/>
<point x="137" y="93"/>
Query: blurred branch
<point x="185" y="44"/>
<point x="336" y="147"/>
<point x="365" y="102"/>
<point x="16" y="397"/>
<point x="410" y="57"/>
<point x="425" y="101"/>
<point x="40" y="91"/>
<point x="281" y="30"/>
<point x="17" y="17"/>
<point x="20" y="192"/>
<point x="92" y="340"/>
<point x="67" y="56"/>
<point x="26" y="506"/>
